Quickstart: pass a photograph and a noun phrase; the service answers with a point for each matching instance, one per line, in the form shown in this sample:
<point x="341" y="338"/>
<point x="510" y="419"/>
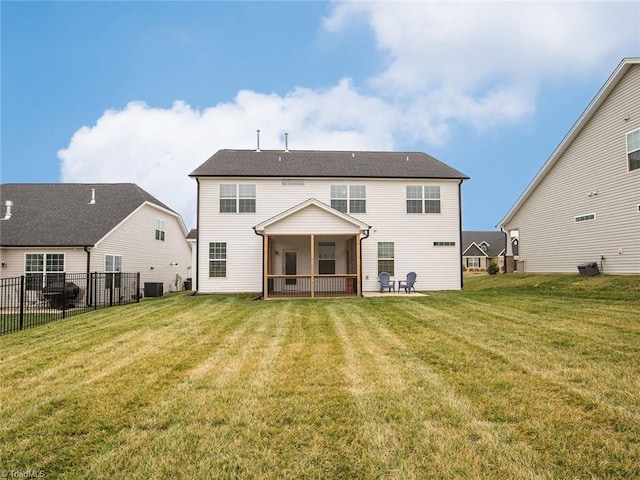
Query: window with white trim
<point x="326" y="258"/>
<point x="633" y="149"/>
<point x="218" y="259"/>
<point x="41" y="268"/>
<point x="113" y="269"/>
<point x="237" y="198"/>
<point x="386" y="260"/>
<point x="473" y="262"/>
<point x="160" y="229"/>
<point x="585" y="218"/>
<point x="349" y="198"/>
<point x="423" y="199"/>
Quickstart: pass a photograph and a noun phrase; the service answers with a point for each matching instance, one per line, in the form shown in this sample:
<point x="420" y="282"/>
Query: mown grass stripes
<point x="515" y="377"/>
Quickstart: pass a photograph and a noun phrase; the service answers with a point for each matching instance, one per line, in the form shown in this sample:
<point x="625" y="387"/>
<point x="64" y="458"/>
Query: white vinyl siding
<point x="133" y="240"/>
<point x="549" y="238"/>
<point x="437" y="268"/>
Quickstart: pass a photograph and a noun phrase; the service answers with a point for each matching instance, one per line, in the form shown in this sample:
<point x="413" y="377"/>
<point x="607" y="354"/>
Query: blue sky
<point x="145" y="92"/>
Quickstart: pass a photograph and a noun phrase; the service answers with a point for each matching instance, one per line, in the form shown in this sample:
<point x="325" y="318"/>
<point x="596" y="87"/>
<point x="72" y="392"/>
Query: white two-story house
<point x="317" y="223"/>
<point x="583" y="206"/>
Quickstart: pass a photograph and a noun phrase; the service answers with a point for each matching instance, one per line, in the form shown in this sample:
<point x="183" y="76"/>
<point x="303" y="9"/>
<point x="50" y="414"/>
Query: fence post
<point x="138" y="287"/>
<point x="95" y="290"/>
<point x="22" y="300"/>
<point x="64" y="295"/>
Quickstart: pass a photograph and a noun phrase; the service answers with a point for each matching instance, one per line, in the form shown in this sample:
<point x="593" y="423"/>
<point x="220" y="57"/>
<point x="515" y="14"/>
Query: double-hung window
<point x="386" y="258"/>
<point x="633" y="149"/>
<point x="237" y="198"/>
<point x="39" y="265"/>
<point x="160" y="229"/>
<point x="349" y="198"/>
<point x="112" y="269"/>
<point x="423" y="199"/>
<point x="218" y="259"/>
<point x="326" y="258"/>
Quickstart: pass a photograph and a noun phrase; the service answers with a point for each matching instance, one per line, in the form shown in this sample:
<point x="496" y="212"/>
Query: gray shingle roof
<point x="59" y="214"/>
<point x="495" y="240"/>
<point x="315" y="163"/>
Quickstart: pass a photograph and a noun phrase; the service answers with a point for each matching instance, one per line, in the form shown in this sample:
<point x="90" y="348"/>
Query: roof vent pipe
<point x="93" y="197"/>
<point x="258" y="133"/>
<point x="286" y="142"/>
<point x="8" y="215"/>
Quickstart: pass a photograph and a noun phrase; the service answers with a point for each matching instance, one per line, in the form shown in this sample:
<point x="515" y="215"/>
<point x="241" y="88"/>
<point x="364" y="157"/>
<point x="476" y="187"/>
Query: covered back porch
<point x="312" y="265"/>
<point x="311" y="250"/>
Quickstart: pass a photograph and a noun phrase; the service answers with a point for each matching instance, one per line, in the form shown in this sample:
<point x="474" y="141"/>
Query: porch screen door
<point x="290" y="266"/>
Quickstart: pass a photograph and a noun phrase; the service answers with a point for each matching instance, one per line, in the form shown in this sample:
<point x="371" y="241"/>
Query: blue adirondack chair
<point x="385" y="283"/>
<point x="408" y="284"/>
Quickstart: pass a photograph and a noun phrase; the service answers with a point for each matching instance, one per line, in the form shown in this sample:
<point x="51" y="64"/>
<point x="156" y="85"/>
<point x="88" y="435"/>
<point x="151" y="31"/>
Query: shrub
<point x="493" y="268"/>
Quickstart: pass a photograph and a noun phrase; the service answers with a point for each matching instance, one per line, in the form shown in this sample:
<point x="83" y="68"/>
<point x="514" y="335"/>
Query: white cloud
<point x="482" y="61"/>
<point x="158" y="148"/>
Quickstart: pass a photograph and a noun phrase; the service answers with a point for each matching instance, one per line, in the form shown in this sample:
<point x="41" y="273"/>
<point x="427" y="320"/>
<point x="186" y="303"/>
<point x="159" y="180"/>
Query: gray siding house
<point x="313" y="223"/>
<point x="584" y="204"/>
<point x="48" y="229"/>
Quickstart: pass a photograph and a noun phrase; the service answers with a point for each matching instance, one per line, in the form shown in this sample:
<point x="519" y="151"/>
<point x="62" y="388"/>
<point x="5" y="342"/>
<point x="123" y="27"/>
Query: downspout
<point x="460" y="234"/>
<point x="197" y="240"/>
<point x="262" y="277"/>
<point x="88" y="295"/>
<point x="361" y="239"/>
<point x="504" y="255"/>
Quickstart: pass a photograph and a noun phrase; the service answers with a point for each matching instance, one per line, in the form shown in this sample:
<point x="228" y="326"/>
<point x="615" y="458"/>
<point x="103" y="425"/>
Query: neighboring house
<point x="320" y="222"/>
<point x="480" y="249"/>
<point x="584" y="204"/>
<point x="49" y="229"/>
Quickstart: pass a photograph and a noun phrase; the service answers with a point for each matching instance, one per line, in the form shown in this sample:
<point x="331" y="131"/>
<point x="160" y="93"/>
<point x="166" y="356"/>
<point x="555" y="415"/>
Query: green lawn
<point x="516" y="377"/>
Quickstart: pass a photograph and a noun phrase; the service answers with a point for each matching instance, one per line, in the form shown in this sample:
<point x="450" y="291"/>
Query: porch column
<point x="265" y="267"/>
<point x="313" y="265"/>
<point x="359" y="278"/>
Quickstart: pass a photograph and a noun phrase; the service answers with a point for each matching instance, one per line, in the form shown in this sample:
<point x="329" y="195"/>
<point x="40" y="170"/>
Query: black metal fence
<point x="37" y="299"/>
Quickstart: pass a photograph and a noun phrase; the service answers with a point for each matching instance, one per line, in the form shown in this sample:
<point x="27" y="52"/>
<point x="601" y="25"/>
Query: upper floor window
<point x="237" y="198"/>
<point x="633" y="149"/>
<point x="349" y="198"/>
<point x="39" y="267"/>
<point x="423" y="199"/>
<point x="159" y="229"/>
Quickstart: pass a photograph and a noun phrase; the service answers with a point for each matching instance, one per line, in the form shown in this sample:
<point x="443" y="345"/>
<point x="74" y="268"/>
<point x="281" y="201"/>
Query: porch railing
<point x="301" y="285"/>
